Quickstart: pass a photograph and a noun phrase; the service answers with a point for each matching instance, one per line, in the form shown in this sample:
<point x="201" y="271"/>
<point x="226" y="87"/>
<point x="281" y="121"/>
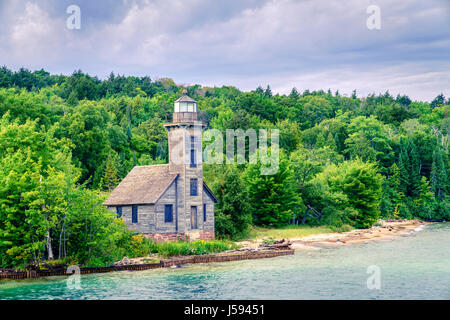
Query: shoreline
<point x="164" y="263"/>
<point x="387" y="230"/>
<point x="384" y="230"/>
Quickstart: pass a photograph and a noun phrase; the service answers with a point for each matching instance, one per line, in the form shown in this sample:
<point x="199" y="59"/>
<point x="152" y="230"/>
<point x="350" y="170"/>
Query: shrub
<point x="184" y="248"/>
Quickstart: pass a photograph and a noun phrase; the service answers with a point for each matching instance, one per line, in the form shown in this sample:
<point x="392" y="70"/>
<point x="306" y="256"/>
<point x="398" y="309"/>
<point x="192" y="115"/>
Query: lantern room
<point x="185" y="109"/>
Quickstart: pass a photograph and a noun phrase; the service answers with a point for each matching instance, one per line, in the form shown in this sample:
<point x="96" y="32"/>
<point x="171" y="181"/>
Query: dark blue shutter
<point x="119" y="211"/>
<point x="193" y="162"/>
<point x="168" y="213"/>
<point x="194" y="187"/>
<point x="204" y="212"/>
<point x="134" y="214"/>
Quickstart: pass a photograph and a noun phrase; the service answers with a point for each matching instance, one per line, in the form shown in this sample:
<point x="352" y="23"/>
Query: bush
<point x="184" y="248"/>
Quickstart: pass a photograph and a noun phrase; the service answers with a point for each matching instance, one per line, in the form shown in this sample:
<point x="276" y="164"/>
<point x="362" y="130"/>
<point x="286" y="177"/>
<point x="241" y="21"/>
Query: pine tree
<point x="403" y="167"/>
<point x="395" y="191"/>
<point x="259" y="90"/>
<point x="110" y="177"/>
<point x="268" y="92"/>
<point x="438" y="176"/>
<point x="438" y="101"/>
<point x="294" y="94"/>
<point x="414" y="176"/>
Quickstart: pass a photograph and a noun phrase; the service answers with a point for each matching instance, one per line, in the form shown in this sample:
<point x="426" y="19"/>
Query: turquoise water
<point x="416" y="266"/>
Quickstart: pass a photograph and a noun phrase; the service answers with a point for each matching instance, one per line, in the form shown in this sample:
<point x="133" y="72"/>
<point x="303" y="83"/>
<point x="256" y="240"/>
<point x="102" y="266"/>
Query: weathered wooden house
<point x="170" y="201"/>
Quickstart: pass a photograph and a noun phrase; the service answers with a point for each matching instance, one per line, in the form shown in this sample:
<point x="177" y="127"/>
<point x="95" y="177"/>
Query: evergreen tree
<point x="439" y="179"/>
<point x="110" y="177"/>
<point x="424" y="200"/>
<point x="438" y="101"/>
<point x="392" y="194"/>
<point x="294" y="93"/>
<point x="259" y="90"/>
<point x="403" y="167"/>
<point x="414" y="177"/>
<point x="268" y="92"/>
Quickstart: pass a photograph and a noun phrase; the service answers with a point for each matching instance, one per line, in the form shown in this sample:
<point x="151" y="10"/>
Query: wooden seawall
<point x="246" y="255"/>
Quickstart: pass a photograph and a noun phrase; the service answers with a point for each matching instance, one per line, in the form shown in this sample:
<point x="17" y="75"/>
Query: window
<point x="168" y="213"/>
<point x="193" y="158"/>
<point x="194" y="187"/>
<point x="204" y="212"/>
<point x="193" y="162"/>
<point x="134" y="214"/>
<point x="119" y="212"/>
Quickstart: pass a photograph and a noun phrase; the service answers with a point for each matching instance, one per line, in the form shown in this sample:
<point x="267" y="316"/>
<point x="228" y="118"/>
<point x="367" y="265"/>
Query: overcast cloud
<point x="309" y="44"/>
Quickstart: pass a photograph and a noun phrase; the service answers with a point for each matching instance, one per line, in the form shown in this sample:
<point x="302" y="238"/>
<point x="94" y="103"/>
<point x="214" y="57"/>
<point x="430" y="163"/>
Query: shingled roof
<point x="143" y="185"/>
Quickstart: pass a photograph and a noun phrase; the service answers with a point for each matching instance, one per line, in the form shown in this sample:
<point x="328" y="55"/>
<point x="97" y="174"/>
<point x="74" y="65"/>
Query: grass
<point x="286" y="232"/>
<point x="184" y="248"/>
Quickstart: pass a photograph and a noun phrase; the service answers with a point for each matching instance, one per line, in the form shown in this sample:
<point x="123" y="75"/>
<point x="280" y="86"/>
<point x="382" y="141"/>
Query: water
<point x="416" y="266"/>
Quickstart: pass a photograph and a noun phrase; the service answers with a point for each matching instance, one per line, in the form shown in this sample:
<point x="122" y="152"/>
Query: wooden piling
<point x="165" y="263"/>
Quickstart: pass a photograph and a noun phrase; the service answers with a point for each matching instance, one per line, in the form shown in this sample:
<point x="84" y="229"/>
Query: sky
<point x="307" y="44"/>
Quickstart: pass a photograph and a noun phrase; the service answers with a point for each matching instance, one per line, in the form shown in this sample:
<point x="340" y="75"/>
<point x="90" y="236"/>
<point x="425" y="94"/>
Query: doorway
<point x="194" y="224"/>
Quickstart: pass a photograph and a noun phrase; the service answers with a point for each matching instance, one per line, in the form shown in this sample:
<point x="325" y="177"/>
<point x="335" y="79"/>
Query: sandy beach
<point x="384" y="231"/>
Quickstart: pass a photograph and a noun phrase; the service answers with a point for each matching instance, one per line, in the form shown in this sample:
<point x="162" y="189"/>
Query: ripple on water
<point x="413" y="267"/>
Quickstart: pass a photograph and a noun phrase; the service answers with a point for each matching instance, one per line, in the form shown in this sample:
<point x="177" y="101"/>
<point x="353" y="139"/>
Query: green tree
<point x="232" y="212"/>
<point x="274" y="198"/>
<point x="438" y="178"/>
<point x="360" y="183"/>
<point x="32" y="165"/>
<point x="110" y="177"/>
<point x="368" y="140"/>
<point x="86" y="128"/>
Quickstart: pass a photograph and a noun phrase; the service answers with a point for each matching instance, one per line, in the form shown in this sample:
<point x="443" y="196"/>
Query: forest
<point x="345" y="161"/>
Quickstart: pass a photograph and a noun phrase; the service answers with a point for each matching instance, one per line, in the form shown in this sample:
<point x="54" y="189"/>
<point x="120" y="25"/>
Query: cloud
<point x="285" y="43"/>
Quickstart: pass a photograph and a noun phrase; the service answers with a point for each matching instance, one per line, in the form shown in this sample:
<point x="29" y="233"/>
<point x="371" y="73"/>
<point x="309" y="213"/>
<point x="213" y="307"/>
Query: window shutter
<point x="168" y="213"/>
<point x="119" y="212"/>
<point x="204" y="212"/>
<point x="134" y="214"/>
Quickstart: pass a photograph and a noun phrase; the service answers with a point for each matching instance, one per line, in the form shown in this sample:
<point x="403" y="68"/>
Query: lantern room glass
<point x="185" y="106"/>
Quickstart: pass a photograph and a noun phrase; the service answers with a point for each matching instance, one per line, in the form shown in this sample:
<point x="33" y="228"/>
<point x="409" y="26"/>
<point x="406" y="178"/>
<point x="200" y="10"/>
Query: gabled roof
<point x="210" y="193"/>
<point x="143" y="185"/>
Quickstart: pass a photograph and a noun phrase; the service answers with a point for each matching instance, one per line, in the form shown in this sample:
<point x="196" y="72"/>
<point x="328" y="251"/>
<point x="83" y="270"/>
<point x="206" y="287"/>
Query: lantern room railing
<point x="179" y="117"/>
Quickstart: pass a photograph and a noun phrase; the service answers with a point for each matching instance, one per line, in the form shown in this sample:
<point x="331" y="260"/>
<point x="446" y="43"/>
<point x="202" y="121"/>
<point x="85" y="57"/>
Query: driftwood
<point x="125" y="261"/>
<point x="278" y="245"/>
